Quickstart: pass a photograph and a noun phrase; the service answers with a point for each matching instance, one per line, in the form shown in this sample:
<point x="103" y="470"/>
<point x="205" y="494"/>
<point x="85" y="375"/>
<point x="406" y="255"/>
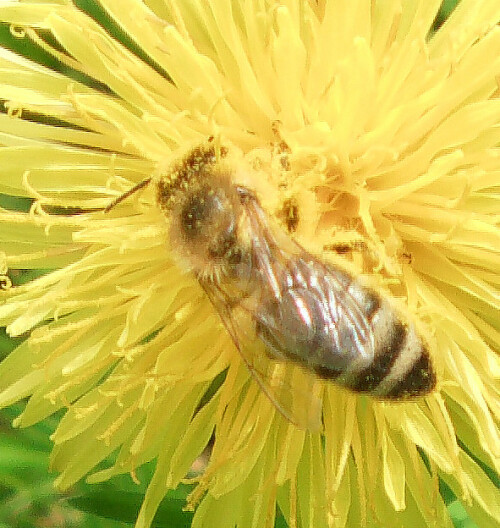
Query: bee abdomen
<point x="386" y="354"/>
<point x="419" y="380"/>
<point x="401" y="367"/>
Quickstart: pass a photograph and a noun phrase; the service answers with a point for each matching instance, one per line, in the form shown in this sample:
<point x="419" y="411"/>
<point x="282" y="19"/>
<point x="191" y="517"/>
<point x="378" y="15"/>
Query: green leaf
<point x="124" y="506"/>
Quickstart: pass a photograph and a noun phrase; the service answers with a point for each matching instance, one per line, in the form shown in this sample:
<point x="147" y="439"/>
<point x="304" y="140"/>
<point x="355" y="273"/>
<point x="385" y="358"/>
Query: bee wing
<point x="296" y="279"/>
<point x="295" y="393"/>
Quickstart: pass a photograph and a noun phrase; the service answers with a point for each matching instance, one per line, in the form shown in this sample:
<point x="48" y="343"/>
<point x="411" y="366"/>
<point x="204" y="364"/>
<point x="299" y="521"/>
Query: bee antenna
<point x="128" y="193"/>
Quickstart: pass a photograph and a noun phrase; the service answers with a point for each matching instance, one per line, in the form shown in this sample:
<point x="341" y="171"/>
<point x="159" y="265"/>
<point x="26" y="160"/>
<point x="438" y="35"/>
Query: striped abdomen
<point x="329" y="323"/>
<point x="401" y="366"/>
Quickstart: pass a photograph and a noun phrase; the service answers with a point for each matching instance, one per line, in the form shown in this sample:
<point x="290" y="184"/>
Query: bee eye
<point x="201" y="211"/>
<point x="193" y="215"/>
<point x="207" y="223"/>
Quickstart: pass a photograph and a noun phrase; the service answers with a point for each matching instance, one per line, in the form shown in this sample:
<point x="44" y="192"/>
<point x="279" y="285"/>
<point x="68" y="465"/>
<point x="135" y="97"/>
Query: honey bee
<point x="270" y="292"/>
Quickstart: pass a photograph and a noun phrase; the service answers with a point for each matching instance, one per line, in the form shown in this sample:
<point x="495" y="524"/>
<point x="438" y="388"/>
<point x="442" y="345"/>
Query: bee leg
<point x="343" y="248"/>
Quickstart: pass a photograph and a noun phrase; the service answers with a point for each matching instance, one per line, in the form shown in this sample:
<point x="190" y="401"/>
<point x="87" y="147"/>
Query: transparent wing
<point x="313" y="311"/>
<point x="296" y="394"/>
<point x="295" y="321"/>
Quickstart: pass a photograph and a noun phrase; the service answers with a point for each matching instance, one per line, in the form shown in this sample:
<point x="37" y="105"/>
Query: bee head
<point x="205" y="226"/>
<point x="206" y="210"/>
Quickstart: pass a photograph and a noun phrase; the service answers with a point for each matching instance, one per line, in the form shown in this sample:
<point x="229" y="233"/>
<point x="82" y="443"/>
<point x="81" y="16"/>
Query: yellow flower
<point x="384" y="135"/>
